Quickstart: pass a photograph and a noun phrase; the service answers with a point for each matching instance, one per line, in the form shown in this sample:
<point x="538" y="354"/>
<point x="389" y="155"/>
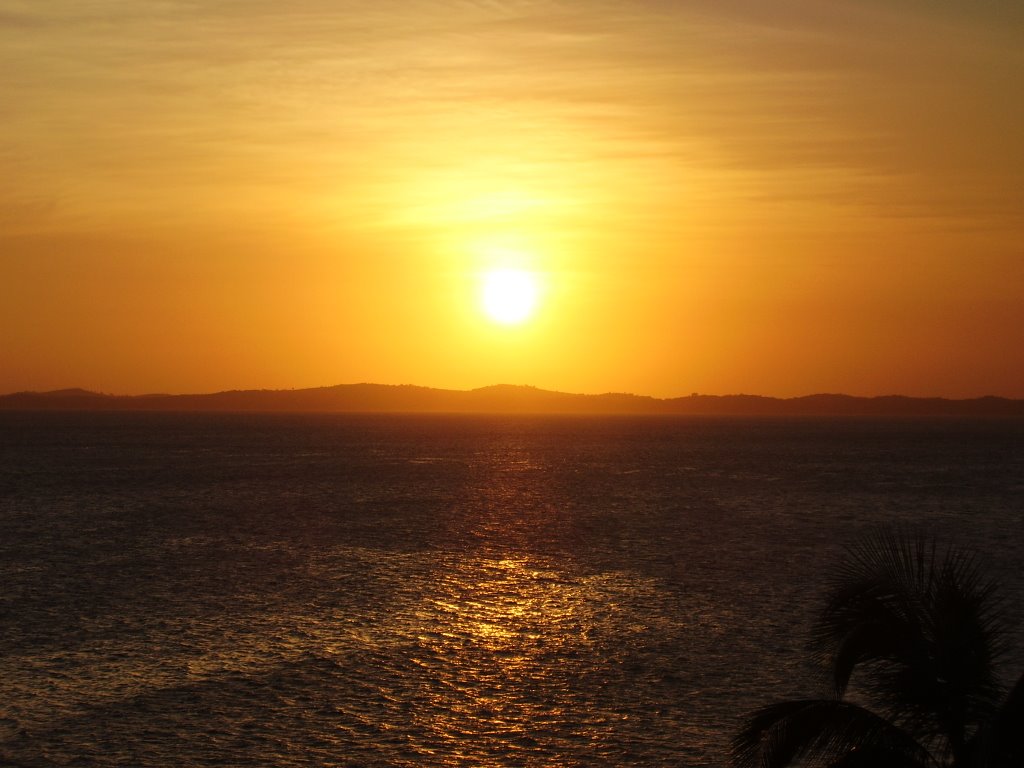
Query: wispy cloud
<point x="898" y="107"/>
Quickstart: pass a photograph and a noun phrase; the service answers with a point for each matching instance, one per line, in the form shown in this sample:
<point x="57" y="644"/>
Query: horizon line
<point x="82" y="391"/>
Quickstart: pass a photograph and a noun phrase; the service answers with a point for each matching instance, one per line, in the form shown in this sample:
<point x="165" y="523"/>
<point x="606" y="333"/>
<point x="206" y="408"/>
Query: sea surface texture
<point x="264" y="590"/>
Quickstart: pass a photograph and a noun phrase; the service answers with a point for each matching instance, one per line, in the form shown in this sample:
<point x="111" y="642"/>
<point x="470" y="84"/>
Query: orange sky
<point x="717" y="196"/>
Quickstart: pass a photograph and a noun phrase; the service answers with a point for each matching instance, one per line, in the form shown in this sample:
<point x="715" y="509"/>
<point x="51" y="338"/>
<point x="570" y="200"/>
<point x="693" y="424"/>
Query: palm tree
<point x="915" y="632"/>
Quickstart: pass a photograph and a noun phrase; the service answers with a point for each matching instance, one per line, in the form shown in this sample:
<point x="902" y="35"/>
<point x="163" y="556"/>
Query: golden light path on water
<point x="522" y="658"/>
<point x="503" y="645"/>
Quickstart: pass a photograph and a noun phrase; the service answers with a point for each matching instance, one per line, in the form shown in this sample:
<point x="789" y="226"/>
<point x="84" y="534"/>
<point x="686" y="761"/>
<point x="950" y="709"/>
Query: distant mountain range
<point x="503" y="398"/>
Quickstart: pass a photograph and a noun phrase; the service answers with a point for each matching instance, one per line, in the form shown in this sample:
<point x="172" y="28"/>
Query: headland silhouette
<point x="509" y="399"/>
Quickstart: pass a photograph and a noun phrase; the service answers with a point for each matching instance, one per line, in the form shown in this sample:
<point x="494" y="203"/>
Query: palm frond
<point x="922" y="628"/>
<point x="868" y="757"/>
<point x="824" y="732"/>
<point x="1001" y="743"/>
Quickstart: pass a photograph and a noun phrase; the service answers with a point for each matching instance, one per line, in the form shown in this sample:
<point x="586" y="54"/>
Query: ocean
<point x="359" y="590"/>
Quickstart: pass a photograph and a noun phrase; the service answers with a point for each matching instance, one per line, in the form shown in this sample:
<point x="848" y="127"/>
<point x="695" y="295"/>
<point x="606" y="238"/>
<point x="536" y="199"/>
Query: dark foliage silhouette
<point x="912" y="635"/>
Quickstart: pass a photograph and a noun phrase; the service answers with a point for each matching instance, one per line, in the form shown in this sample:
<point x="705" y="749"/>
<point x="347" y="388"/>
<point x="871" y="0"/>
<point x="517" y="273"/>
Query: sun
<point x="509" y="296"/>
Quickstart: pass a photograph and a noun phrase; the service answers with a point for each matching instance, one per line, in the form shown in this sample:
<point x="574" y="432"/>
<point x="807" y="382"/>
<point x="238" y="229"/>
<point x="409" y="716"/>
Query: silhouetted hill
<point x="503" y="398"/>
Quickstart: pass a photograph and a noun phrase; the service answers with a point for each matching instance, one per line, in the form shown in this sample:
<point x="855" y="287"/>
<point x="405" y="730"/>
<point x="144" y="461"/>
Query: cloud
<point x="896" y="108"/>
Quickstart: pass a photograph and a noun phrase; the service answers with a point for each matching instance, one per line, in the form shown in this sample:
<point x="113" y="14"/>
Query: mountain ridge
<point x="509" y="398"/>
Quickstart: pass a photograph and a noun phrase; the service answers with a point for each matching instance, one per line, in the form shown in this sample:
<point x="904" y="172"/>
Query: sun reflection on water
<point x="501" y="624"/>
<point x="505" y="637"/>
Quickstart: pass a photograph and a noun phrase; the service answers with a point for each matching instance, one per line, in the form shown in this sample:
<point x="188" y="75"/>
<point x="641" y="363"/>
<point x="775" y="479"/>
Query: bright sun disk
<point x="509" y="295"/>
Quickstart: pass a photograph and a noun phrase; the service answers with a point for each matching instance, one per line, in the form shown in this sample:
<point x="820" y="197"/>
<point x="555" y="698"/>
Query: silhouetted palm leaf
<point x="917" y="631"/>
<point x="824" y="732"/>
<point x="922" y="626"/>
<point x="1000" y="743"/>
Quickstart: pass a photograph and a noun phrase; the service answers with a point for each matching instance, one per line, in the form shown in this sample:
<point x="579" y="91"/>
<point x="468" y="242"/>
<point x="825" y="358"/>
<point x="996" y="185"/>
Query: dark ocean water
<point x="242" y="590"/>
